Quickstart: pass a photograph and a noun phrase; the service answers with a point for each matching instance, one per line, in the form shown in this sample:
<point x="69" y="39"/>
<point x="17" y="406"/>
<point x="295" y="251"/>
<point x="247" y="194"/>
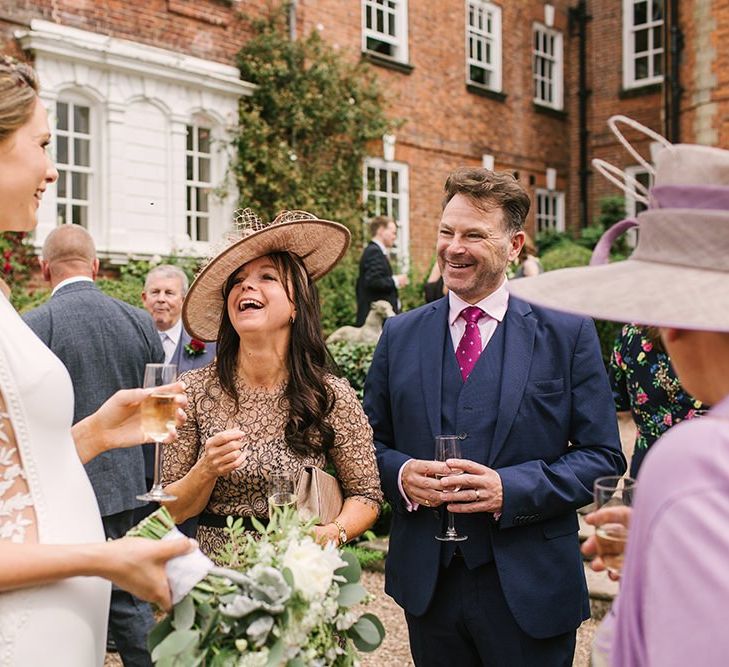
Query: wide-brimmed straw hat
<point x="678" y="275"/>
<point x="320" y="244"/>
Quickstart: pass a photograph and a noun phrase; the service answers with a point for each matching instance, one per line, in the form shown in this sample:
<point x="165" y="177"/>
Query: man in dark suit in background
<point x="164" y="293"/>
<point x="525" y="390"/>
<point x="105" y="344"/>
<point x="376" y="281"/>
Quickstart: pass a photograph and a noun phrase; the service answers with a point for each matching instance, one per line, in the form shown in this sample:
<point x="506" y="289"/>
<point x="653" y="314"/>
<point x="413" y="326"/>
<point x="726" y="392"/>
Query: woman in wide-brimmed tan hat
<point x="269" y="402"/>
<point x="675" y="579"/>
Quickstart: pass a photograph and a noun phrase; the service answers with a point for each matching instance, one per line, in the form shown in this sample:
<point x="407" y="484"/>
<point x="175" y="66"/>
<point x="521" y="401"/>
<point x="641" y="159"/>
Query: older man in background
<point x="164" y="293"/>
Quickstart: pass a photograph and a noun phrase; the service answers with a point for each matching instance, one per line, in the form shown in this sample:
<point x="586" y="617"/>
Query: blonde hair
<point x="18" y="92"/>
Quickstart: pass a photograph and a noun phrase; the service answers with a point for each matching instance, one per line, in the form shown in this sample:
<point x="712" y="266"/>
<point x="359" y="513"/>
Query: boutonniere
<point x="195" y="348"/>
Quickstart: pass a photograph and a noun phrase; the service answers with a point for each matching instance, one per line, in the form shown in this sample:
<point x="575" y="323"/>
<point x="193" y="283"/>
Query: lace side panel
<point x="17" y="515"/>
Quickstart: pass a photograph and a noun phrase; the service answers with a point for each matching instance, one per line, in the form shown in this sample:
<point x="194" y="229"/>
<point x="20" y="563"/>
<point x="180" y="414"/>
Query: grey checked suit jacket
<point x="104" y="343"/>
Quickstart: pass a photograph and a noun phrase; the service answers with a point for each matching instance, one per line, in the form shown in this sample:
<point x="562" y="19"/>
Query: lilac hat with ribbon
<point x="678" y="275"/>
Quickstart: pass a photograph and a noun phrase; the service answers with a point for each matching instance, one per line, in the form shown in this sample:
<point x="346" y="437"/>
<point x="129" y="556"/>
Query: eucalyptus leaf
<point x="352" y="571"/>
<point x="184" y="614"/>
<point x="367" y="633"/>
<point x="159" y="632"/>
<point x="351" y="594"/>
<point x="275" y="654"/>
<point x="176" y="643"/>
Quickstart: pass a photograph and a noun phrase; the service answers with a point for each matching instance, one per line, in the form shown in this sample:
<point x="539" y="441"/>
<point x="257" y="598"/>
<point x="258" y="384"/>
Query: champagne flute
<point x="611" y="536"/>
<point x="158" y="417"/>
<point x="449" y="447"/>
<point x="281" y="490"/>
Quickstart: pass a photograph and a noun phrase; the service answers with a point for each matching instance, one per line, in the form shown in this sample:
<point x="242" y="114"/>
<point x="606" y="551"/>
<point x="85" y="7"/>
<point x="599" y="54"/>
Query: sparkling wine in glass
<point x="158" y="417"/>
<point x="449" y="447"/>
<point x="281" y="491"/>
<point x="611" y="536"/>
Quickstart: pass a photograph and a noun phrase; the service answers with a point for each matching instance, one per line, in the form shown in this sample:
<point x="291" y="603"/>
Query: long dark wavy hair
<point x="310" y="401"/>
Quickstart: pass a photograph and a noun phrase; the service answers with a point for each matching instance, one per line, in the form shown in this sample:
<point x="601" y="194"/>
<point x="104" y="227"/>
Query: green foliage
<point x="17" y="259"/>
<point x="25" y="299"/>
<point x="303" y="132"/>
<point x="354" y="361"/>
<point x="612" y="210"/>
<point x="337" y="295"/>
<point x="564" y="254"/>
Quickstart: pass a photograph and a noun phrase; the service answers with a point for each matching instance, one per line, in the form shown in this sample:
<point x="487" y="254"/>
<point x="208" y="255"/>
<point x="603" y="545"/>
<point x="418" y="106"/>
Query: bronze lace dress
<point x="262" y="415"/>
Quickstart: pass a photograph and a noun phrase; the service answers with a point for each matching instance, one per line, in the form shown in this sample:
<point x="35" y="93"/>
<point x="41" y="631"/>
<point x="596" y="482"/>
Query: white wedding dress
<point x="42" y="480"/>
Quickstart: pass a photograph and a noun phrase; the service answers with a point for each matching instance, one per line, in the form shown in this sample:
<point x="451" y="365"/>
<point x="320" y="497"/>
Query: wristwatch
<point x="342" y="532"/>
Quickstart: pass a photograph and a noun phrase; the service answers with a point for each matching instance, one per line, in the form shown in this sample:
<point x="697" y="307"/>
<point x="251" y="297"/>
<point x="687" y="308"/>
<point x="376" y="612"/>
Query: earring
<point x="292" y="319"/>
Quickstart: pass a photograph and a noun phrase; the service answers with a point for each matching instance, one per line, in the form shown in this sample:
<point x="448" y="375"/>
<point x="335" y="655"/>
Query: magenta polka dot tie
<point x="469" y="349"/>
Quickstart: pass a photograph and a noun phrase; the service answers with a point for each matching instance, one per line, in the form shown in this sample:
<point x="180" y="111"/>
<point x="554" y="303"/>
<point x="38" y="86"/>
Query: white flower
<point x="312" y="566"/>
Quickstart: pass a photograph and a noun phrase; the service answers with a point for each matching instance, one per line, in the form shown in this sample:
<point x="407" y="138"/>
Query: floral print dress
<point x="644" y="382"/>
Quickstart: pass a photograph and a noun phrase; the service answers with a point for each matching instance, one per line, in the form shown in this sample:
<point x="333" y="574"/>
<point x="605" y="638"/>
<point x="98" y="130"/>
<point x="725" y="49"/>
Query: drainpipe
<point x="578" y="23"/>
<point x="675" y="90"/>
<point x="292" y="20"/>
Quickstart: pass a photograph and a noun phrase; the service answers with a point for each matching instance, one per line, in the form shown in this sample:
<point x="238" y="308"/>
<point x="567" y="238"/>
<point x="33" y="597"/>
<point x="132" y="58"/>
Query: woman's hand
<point x="618" y="514"/>
<point x="326" y="533"/>
<point x="137" y="565"/>
<point x="118" y="422"/>
<point x="223" y="453"/>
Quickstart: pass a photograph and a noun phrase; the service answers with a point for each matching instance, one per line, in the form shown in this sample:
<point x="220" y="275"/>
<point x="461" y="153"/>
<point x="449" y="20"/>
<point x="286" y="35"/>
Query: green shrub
<point x="565" y="254"/>
<point x="337" y="295"/>
<point x="354" y="361"/>
<point x="25" y="299"/>
<point x="369" y="559"/>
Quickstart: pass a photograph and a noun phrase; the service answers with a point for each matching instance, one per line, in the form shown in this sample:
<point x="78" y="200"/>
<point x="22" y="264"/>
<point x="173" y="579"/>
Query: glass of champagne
<point x="158" y="417"/>
<point x="449" y="447"/>
<point x="281" y="491"/>
<point x="611" y="535"/>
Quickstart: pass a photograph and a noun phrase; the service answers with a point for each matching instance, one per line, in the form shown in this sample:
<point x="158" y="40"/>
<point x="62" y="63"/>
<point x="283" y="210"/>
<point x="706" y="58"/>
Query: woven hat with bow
<point x="320" y="244"/>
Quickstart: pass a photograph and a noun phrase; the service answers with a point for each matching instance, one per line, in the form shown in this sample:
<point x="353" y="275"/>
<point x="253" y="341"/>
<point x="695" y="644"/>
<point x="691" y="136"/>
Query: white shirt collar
<point x="494" y="305"/>
<point x="69" y="281"/>
<point x="382" y="246"/>
<point x="174" y="332"/>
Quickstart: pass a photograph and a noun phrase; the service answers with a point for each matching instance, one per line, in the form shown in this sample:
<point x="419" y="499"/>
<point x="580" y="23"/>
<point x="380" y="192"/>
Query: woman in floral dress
<point x="644" y="382"/>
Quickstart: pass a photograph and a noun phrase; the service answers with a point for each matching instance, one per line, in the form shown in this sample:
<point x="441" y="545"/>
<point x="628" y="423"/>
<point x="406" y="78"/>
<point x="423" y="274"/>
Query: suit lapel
<point x="518" y="348"/>
<point x="178" y="357"/>
<point x="435" y="323"/>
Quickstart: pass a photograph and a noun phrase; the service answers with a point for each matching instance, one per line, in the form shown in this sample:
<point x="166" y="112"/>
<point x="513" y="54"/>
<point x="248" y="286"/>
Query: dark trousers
<point x="469" y="624"/>
<point x="130" y="619"/>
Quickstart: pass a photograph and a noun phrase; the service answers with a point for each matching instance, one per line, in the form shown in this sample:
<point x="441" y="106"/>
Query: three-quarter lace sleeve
<point x="17" y="514"/>
<point x="353" y="454"/>
<point x="181" y="455"/>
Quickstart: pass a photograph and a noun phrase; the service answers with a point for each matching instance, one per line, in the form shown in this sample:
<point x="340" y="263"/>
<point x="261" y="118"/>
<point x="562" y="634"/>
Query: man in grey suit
<point x="104" y="343"/>
<point x="164" y="293"/>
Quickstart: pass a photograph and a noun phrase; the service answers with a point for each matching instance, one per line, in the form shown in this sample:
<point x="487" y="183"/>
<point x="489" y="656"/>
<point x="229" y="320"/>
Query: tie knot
<point x="472" y="314"/>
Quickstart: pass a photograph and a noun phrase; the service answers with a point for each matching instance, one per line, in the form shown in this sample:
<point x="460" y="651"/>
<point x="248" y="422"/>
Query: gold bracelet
<point x="342" y="533"/>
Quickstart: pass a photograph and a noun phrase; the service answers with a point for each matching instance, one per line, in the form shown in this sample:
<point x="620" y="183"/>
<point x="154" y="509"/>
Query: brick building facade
<point x="144" y="92"/>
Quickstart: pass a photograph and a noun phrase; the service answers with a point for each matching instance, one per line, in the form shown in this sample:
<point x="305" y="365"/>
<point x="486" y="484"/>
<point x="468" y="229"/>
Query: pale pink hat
<point x="320" y="244"/>
<point x="678" y="275"/>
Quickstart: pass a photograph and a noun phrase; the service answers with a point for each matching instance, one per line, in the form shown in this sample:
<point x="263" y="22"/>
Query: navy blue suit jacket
<point x="555" y="432"/>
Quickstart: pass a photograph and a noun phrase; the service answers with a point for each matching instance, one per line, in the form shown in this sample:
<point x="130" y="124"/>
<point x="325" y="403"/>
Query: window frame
<point x="399" y="41"/>
<point x="497" y="44"/>
<point x="195" y="183"/>
<point x="557" y="60"/>
<point x="558" y="216"/>
<point x="73" y="99"/>
<point x="629" y="53"/>
<point x="400" y="252"/>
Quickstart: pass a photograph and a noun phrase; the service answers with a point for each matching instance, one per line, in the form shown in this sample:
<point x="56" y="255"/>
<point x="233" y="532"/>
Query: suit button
<point x="462" y="436"/>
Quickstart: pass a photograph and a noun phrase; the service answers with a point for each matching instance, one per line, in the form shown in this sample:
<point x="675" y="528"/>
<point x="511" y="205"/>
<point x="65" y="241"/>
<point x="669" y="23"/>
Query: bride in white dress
<point x="53" y="599"/>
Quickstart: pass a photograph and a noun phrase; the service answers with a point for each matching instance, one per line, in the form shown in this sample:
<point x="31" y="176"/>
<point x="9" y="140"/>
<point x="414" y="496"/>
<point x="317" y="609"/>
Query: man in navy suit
<point x="376" y="281"/>
<point x="525" y="390"/>
<point x="105" y="344"/>
<point x="164" y="293"/>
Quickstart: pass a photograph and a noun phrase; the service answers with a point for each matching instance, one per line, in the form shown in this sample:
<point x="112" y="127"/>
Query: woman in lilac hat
<point x="675" y="580"/>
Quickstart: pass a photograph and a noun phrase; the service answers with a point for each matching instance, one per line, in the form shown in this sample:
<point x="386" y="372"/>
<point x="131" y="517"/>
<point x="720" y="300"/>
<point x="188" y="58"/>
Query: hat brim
<point x="634" y="291"/>
<point x="319" y="243"/>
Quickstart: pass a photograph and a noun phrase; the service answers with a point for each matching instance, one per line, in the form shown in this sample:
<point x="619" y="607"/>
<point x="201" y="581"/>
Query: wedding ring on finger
<point x="478" y="495"/>
<point x="426" y="502"/>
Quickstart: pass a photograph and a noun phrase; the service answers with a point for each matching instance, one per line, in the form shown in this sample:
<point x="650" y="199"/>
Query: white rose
<point x="312" y="566"/>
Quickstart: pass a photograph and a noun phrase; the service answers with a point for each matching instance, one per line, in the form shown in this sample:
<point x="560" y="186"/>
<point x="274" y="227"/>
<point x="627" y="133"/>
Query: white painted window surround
<point x="142" y="99"/>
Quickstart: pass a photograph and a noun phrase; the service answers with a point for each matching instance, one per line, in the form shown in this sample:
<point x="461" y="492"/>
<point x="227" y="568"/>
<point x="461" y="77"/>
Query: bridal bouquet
<point x="282" y="599"/>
